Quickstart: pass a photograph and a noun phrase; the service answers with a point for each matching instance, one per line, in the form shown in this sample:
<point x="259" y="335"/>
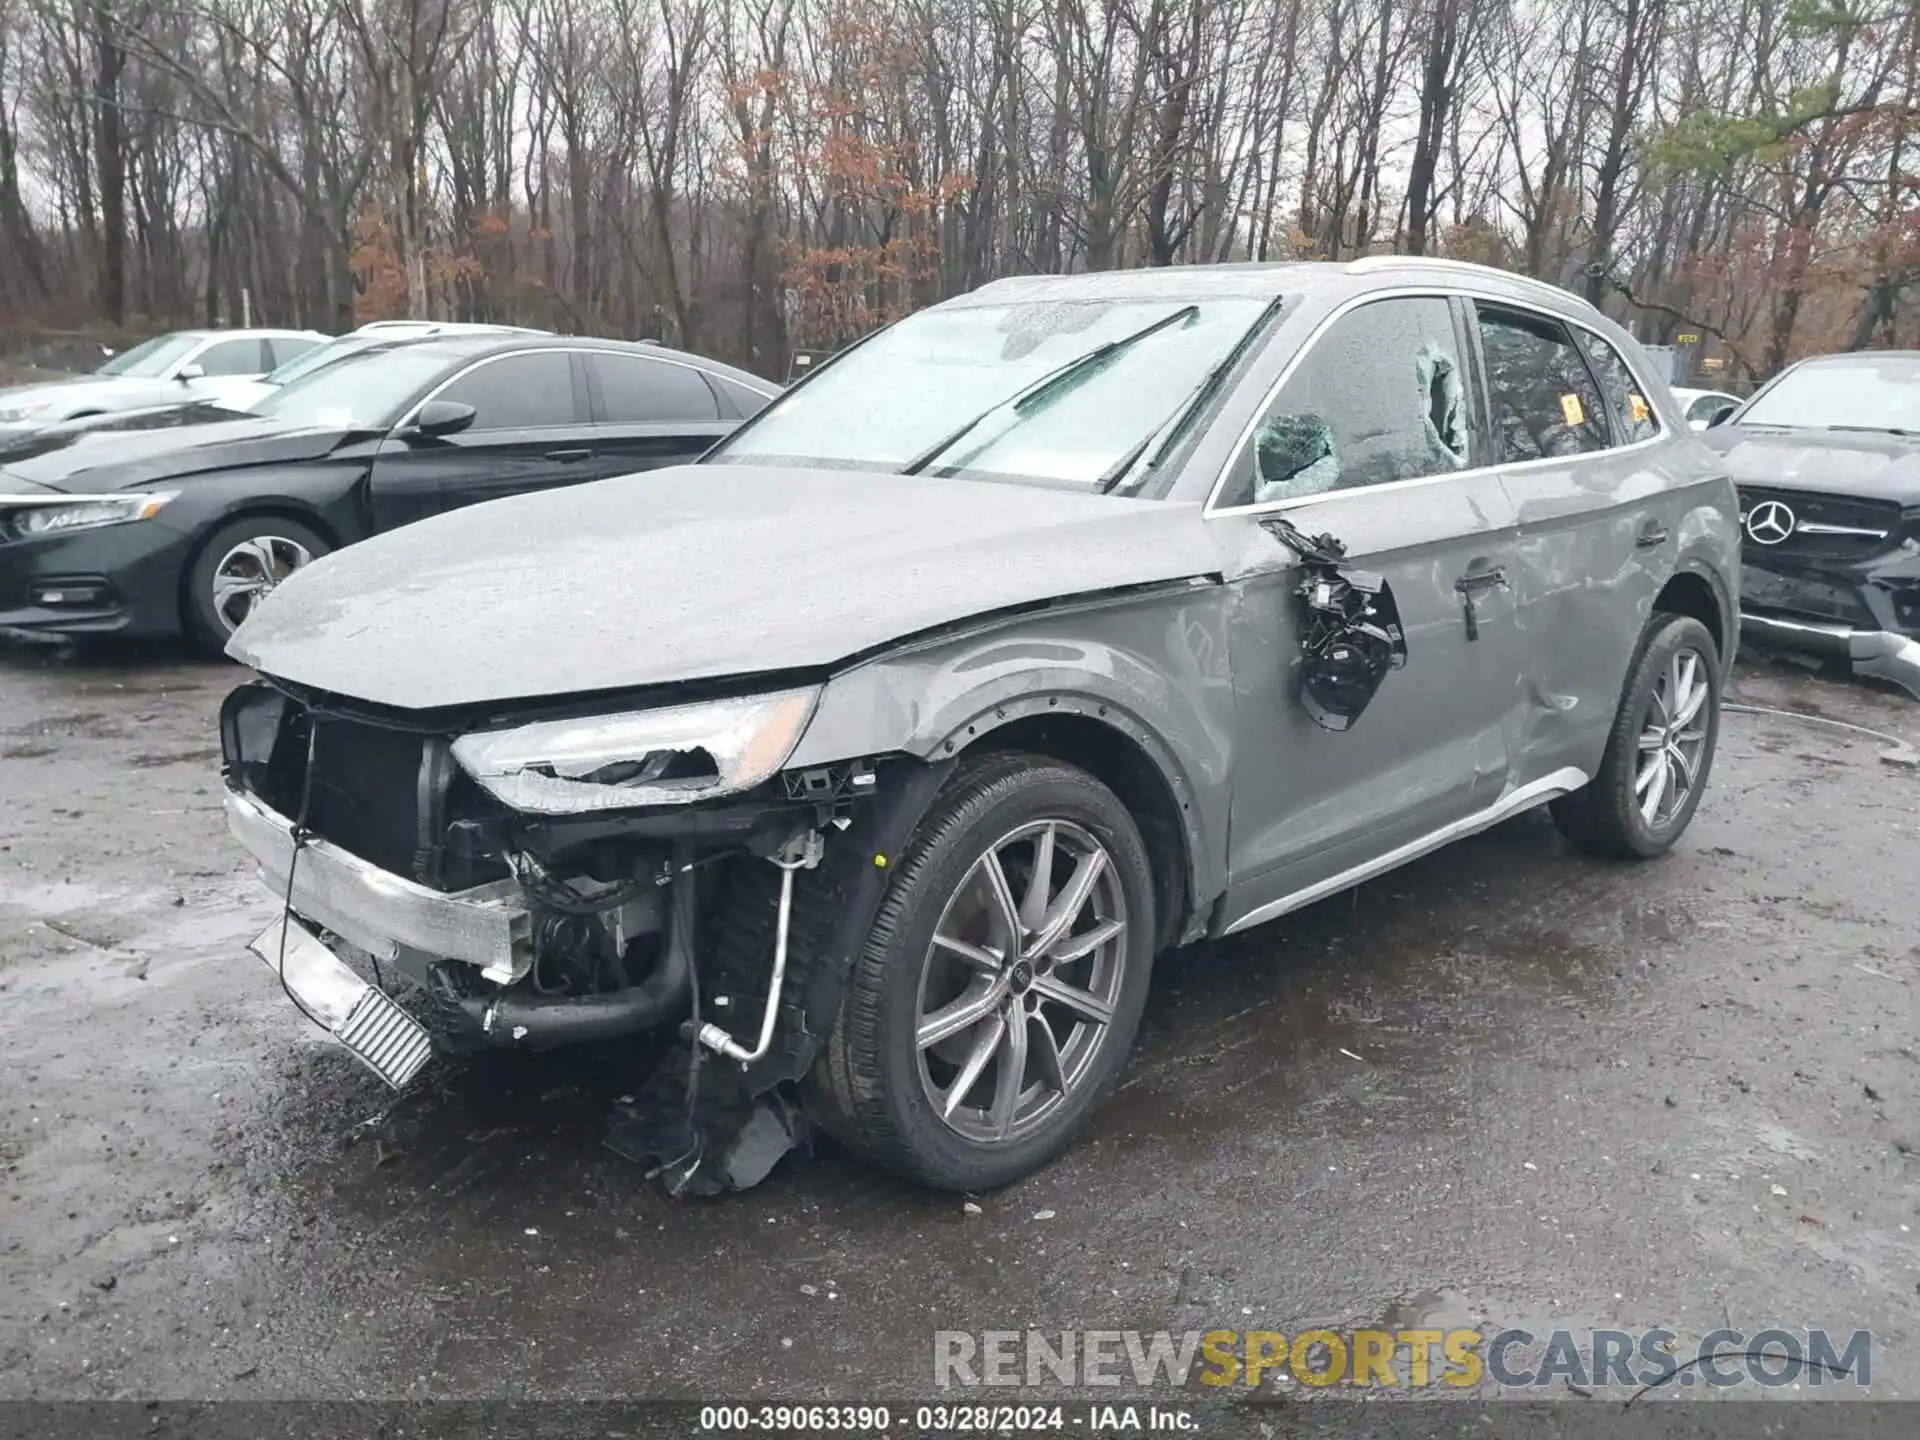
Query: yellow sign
<point x="1572" y="411"/>
<point x="1687" y="337"/>
<point x="1713" y="362"/>
<point x="1636" y="407"/>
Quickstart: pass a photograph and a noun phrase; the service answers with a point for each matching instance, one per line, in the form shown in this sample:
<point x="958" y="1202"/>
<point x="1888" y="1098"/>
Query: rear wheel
<point x="239" y="566"/>
<point x="1001" y="985"/>
<point x="1660" y="751"/>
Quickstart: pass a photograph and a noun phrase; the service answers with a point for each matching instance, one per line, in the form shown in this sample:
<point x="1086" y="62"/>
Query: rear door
<point x="530" y="432"/>
<point x="649" y="411"/>
<point x="1372" y="439"/>
<point x="1598" y="521"/>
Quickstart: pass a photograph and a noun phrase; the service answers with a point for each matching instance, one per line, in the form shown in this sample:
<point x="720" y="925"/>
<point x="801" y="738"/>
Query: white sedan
<point x="246" y="392"/>
<point x="1705" y="408"/>
<point x="171" y="369"/>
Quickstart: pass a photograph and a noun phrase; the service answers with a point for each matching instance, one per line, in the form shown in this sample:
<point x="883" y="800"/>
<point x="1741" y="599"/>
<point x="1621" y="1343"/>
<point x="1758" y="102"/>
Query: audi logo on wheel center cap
<point x="1769" y="522"/>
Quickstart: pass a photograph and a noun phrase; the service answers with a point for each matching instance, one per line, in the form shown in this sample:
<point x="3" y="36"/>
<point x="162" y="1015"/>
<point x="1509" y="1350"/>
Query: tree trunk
<point x="110" y="162"/>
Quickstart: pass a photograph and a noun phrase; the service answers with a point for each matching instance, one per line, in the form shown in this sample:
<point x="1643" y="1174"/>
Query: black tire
<point x="204" y="623"/>
<point x="1606" y="817"/>
<point x="867" y="1087"/>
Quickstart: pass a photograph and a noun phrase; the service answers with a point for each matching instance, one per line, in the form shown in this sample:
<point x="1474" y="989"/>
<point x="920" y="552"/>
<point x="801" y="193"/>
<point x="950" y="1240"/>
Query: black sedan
<point x="166" y="523"/>
<point x="1827" y="459"/>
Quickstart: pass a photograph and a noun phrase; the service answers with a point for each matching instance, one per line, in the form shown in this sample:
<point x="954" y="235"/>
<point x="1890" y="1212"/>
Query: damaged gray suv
<point x="872" y="760"/>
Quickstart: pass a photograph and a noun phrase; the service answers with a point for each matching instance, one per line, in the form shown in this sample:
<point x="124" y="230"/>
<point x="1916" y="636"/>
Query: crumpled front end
<point x="550" y="879"/>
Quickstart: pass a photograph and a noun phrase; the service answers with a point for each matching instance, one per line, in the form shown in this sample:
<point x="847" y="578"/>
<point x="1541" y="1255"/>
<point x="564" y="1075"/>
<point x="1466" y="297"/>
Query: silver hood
<point x="696" y="572"/>
<point x="64" y="398"/>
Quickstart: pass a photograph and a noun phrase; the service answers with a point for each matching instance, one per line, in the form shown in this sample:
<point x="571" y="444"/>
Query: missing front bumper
<point x="380" y="912"/>
<point x="366" y="1022"/>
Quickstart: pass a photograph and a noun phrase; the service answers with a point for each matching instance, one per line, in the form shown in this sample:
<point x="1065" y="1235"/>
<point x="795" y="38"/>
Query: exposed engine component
<point x="1350" y="634"/>
<point x="801" y="853"/>
<point x="579" y="987"/>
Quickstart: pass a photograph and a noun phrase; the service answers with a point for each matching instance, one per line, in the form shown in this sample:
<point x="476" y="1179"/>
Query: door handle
<point x="1475" y="580"/>
<point x="1470" y="585"/>
<point x="1651" y="537"/>
<point x="567" y="457"/>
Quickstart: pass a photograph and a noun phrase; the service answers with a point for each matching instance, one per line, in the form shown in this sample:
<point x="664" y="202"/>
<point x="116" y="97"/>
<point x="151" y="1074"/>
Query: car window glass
<point x="637" y="391"/>
<point x="1380" y="396"/>
<point x="1870" y="390"/>
<point x="746" y="401"/>
<point x="285" y="347"/>
<point x="1708" y="408"/>
<point x="232" y="357"/>
<point x="1633" y="416"/>
<point x="1544" y="401"/>
<point x="517" y="392"/>
<point x="945" y="391"/>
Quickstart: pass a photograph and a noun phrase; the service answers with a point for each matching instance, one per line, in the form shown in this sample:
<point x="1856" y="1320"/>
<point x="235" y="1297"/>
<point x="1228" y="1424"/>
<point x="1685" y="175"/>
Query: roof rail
<point x="1367" y="263"/>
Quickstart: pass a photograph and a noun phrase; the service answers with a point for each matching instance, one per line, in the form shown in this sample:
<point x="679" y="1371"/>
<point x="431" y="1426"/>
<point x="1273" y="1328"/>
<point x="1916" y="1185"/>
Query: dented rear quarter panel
<point x="1587" y="585"/>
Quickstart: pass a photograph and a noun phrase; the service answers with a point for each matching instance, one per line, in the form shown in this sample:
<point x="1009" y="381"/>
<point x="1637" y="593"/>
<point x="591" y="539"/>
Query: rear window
<point x="742" y="401"/>
<point x="283" y="348"/>
<point x="636" y="391"/>
<point x="1545" y="405"/>
<point x="1634" y="419"/>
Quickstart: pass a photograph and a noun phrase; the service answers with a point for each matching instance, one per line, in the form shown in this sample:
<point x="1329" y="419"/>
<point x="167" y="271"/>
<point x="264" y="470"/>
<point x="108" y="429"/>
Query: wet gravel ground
<point x="1506" y="1085"/>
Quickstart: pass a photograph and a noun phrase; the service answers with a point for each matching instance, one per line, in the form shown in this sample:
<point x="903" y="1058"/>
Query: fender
<point x="1709" y="532"/>
<point x="935" y="700"/>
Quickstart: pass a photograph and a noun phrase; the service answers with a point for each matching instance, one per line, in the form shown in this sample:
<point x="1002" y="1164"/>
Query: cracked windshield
<point x="1021" y="391"/>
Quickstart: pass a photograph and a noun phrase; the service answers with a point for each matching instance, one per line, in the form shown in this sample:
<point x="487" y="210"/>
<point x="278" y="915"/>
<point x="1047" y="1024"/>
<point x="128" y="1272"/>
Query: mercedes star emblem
<point x="1769" y="522"/>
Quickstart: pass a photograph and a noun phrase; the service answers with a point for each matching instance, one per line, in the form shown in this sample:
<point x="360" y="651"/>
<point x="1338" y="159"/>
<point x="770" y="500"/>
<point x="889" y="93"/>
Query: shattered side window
<point x="1545" y="405"/>
<point x="1631" y="411"/>
<point x="1381" y="396"/>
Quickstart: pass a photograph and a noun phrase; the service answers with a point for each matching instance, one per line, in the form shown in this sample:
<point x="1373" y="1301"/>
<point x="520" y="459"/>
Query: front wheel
<point x="1660" y="750"/>
<point x="238" y="567"/>
<point x="1001" y="985"/>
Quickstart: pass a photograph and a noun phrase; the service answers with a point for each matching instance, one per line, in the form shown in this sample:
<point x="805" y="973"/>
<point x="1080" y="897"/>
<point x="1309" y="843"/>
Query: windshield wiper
<point x="1030" y="397"/>
<point x="1181" y="413"/>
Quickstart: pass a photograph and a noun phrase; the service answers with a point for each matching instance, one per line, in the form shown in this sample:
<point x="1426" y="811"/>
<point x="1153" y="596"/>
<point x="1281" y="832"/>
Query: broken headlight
<point x="673" y="756"/>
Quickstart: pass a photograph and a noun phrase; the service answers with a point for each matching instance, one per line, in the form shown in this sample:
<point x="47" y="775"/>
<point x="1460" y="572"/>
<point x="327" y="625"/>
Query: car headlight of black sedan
<point x="81" y="512"/>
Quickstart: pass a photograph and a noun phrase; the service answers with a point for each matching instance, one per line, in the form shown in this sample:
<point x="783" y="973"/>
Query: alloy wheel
<point x="248" y="573"/>
<point x="1673" y="738"/>
<point x="1018" y="988"/>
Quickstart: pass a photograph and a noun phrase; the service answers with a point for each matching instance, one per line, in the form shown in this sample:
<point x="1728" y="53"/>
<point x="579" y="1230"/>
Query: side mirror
<point x="1719" y="417"/>
<point x="442" y="417"/>
<point x="192" y="370"/>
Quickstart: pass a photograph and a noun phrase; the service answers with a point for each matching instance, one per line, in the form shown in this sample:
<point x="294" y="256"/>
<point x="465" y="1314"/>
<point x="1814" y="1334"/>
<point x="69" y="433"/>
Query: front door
<point x="530" y="431"/>
<point x="1374" y="439"/>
